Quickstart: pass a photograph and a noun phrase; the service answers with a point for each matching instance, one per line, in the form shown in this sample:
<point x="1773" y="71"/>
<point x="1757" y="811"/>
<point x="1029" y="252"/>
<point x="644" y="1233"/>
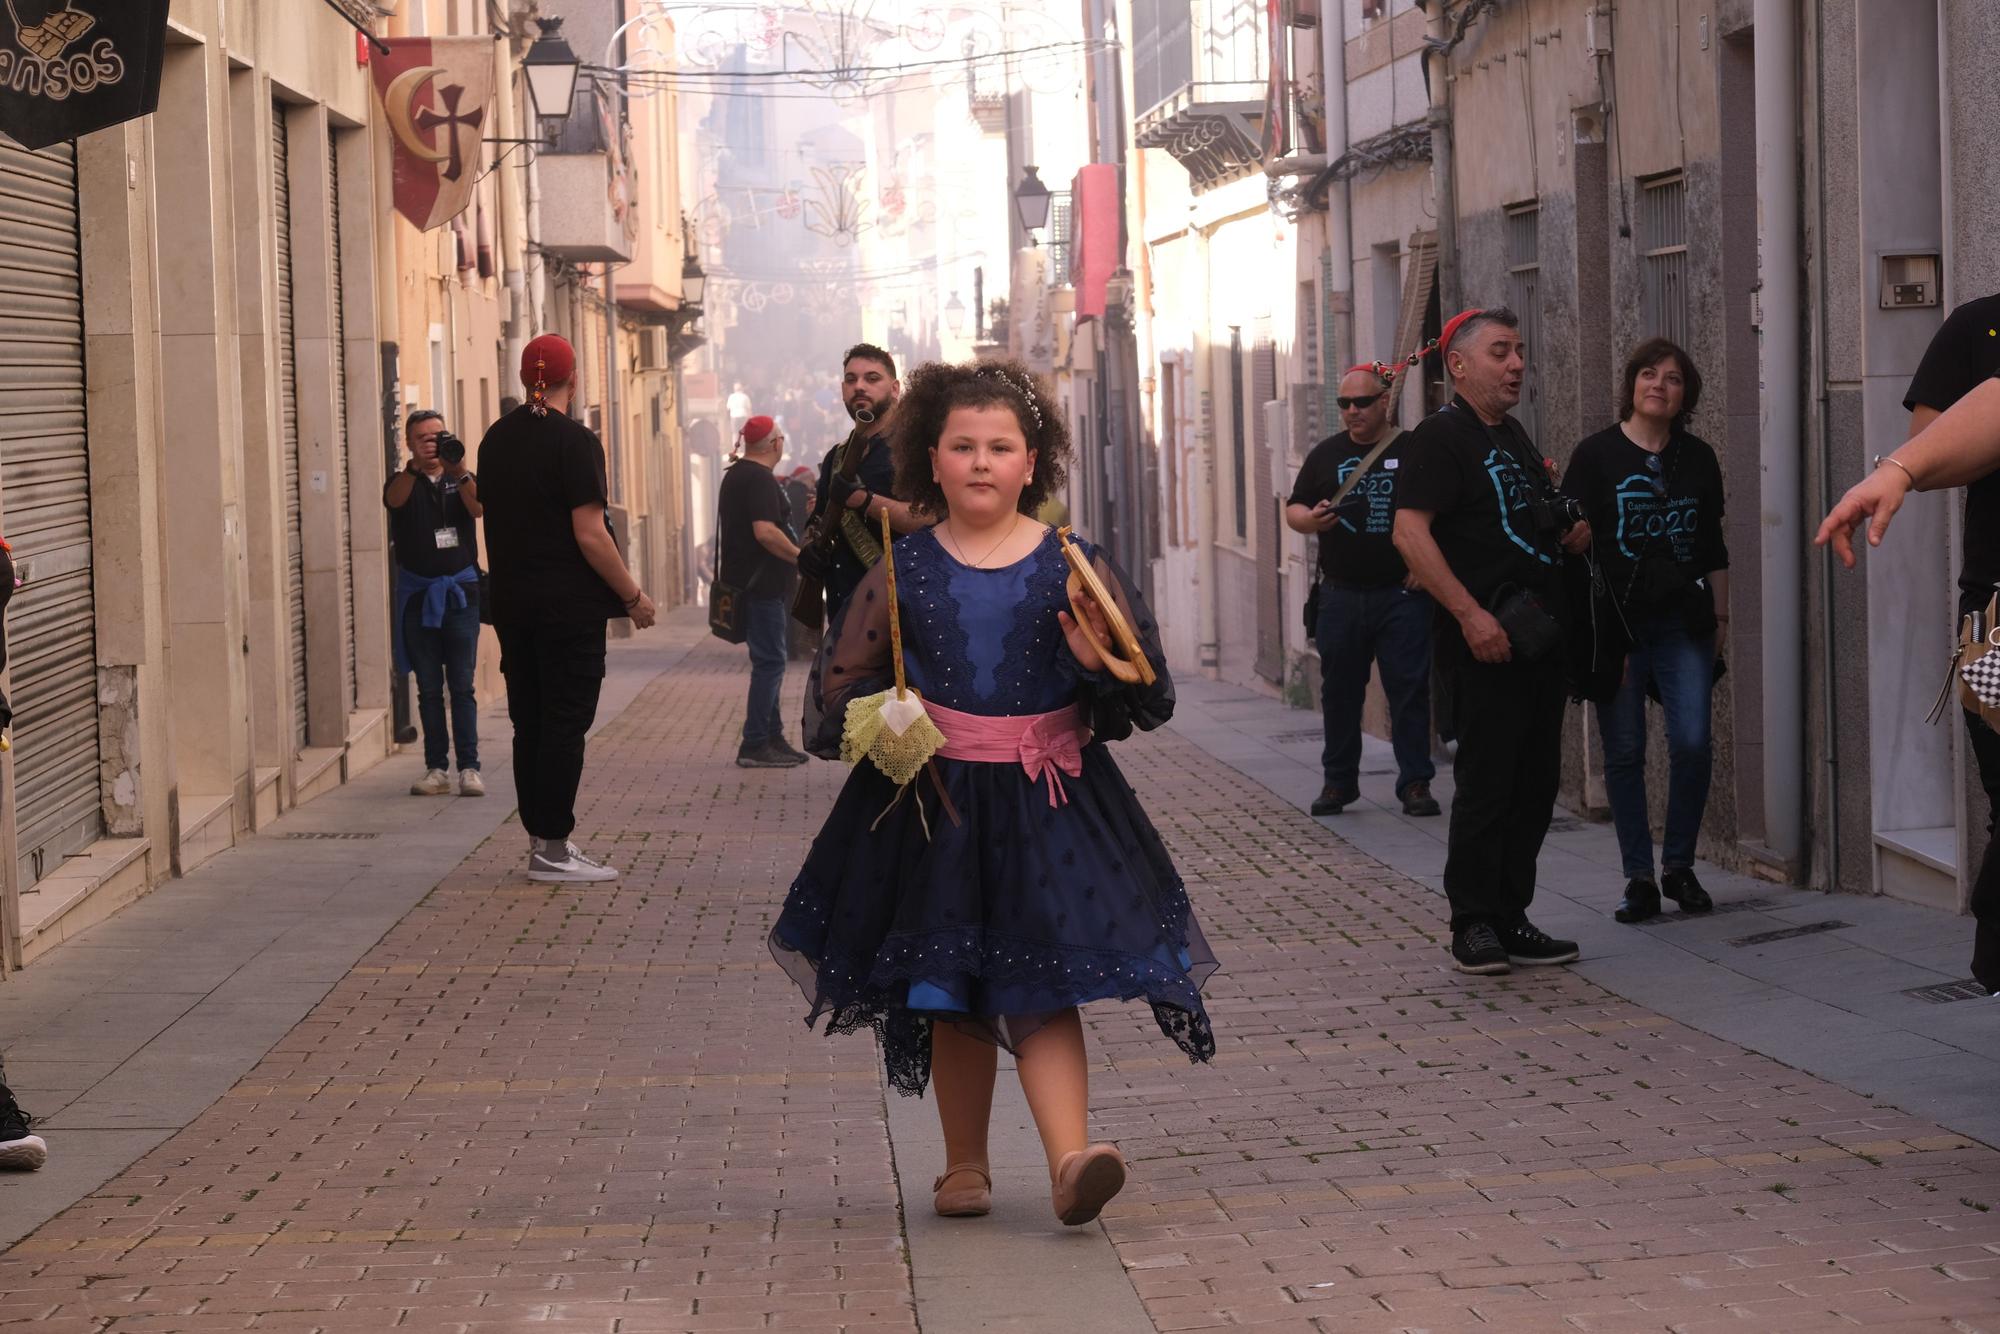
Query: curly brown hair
<point x="937" y="387"/>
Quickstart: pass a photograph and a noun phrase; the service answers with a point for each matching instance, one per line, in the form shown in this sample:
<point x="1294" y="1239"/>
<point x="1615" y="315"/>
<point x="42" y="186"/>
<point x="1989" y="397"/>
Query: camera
<point x="450" y="449"/>
<point x="1553" y="514"/>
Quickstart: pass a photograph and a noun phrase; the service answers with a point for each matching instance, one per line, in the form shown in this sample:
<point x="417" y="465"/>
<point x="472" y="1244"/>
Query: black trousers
<point x="1507" y="772"/>
<point x="1986" y="887"/>
<point x="553" y="677"/>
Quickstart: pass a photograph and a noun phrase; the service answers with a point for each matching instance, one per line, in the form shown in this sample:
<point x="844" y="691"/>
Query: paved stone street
<point x="595" y="1109"/>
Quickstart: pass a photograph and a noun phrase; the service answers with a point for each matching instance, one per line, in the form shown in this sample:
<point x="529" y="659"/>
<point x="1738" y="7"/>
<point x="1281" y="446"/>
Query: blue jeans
<point x="441" y="657"/>
<point x="1684" y="670"/>
<point x="765" y="619"/>
<point x="1357" y="627"/>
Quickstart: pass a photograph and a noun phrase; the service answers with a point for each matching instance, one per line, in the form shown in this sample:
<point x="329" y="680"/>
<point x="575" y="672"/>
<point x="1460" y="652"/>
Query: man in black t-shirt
<point x="433" y="505"/>
<point x="852" y="496"/>
<point x="1965" y="352"/>
<point x="759" y="558"/>
<point x="1480" y="523"/>
<point x="1368" y="613"/>
<point x="557" y="578"/>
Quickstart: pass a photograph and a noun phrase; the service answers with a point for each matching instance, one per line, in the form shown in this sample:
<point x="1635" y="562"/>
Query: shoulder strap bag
<point x="728" y="610"/>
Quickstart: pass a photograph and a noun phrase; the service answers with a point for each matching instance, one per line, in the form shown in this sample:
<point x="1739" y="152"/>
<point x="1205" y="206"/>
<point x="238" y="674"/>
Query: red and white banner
<point x="437" y="95"/>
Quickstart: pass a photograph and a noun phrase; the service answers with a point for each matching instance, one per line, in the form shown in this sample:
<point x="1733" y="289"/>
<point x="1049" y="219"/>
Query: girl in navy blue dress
<point x="1016" y="877"/>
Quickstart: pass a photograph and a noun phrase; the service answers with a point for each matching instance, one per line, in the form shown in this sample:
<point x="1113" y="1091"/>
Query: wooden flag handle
<point x="1127" y="662"/>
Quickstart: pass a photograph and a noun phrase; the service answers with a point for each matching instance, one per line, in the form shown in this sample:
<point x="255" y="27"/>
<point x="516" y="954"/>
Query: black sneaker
<point x="1477" y="949"/>
<point x="784" y="747"/>
<point x="1331" y="801"/>
<point x="1684" y="889"/>
<point x="1642" y="900"/>
<point x="1526" y="943"/>
<point x="1417" y="800"/>
<point x="767" y="755"/>
<point x="20" y="1151"/>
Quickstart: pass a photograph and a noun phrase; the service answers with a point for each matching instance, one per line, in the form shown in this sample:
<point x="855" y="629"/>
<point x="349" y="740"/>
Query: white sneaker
<point x="572" y="868"/>
<point x="470" y="784"/>
<point x="434" y="783"/>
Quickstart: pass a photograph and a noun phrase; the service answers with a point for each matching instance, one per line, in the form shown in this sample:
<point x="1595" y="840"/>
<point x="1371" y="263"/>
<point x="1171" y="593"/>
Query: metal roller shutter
<point x="340" y="422"/>
<point x="45" y="483"/>
<point x="288" y="398"/>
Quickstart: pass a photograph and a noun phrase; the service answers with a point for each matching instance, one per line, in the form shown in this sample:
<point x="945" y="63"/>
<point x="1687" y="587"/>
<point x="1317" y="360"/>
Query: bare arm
<point x="772" y="538"/>
<point x="601" y="553"/>
<point x="399" y="490"/>
<point x="1310" y="519"/>
<point x="901" y="517"/>
<point x="468" y="492"/>
<point x="1954" y="448"/>
<point x="1718" y="580"/>
<point x="1427" y="565"/>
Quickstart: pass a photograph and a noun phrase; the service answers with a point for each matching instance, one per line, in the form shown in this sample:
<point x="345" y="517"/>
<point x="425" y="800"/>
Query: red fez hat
<point x="1453" y="325"/>
<point x="546" y="361"/>
<point x="757" y="428"/>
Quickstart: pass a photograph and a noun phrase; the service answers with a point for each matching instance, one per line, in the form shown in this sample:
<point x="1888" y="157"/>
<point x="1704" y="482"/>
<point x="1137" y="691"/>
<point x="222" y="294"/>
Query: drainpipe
<point x="1208" y="648"/>
<point x="1340" y="199"/>
<point x="510" y="214"/>
<point x="1443" y="187"/>
<point x="1779" y="449"/>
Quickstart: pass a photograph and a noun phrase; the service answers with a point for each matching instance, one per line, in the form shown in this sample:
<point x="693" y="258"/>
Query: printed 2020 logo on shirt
<point x="1511" y="490"/>
<point x="1646" y="519"/>
<point x="1377" y="491"/>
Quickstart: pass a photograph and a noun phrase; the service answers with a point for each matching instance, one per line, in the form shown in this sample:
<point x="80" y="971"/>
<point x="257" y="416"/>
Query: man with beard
<point x="855" y="482"/>
<point x="1481" y="525"/>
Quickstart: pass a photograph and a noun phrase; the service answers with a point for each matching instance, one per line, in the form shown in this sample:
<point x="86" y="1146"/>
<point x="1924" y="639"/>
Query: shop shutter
<point x="288" y="398"/>
<point x="340" y="422"/>
<point x="45" y="488"/>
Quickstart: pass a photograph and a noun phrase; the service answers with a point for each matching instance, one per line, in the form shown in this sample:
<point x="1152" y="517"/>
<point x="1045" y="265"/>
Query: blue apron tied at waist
<point x="447" y="591"/>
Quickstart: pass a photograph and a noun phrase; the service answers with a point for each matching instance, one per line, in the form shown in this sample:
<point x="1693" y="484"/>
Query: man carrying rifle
<point x="855" y="480"/>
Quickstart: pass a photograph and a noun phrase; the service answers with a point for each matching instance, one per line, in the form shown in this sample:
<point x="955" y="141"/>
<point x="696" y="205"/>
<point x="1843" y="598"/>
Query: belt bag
<point x="1976" y="667"/>
<point x="1532" y="633"/>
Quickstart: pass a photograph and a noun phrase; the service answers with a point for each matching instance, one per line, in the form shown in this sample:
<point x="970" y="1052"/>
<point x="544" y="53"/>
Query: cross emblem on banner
<point x="449" y="123"/>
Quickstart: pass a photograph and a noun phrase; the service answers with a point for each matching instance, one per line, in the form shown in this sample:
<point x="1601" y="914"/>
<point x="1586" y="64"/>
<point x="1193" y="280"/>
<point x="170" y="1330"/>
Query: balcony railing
<point x="1200" y="74"/>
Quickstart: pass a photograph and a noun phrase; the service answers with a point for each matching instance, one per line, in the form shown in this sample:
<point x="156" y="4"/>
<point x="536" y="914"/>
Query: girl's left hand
<point x="1085" y="652"/>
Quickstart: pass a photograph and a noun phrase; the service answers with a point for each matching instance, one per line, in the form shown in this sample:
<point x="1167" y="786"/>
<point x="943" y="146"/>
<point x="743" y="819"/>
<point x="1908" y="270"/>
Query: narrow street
<point x="595" y="1109"/>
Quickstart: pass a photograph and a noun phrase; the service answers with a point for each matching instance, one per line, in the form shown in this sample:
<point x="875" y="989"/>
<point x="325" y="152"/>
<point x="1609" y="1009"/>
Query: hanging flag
<point x="68" y="67"/>
<point x="437" y="95"/>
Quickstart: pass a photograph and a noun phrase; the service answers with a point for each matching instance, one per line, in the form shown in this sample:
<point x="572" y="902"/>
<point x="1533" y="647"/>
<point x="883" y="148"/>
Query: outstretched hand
<point x="1875" y="498"/>
<point x="1080" y="645"/>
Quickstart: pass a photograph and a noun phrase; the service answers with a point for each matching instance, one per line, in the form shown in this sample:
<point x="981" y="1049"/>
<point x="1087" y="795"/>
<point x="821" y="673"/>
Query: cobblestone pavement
<point x="594" y="1109"/>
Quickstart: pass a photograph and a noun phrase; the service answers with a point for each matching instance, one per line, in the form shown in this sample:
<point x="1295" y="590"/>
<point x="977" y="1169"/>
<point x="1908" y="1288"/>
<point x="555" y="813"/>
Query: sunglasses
<point x="1368" y="401"/>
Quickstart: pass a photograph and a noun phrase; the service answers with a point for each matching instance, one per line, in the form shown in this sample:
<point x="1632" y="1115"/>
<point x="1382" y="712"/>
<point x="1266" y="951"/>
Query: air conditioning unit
<point x="652" y="349"/>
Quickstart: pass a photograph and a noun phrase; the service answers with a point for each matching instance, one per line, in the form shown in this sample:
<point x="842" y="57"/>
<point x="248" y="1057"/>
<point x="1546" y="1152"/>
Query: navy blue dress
<point x="1019" y="909"/>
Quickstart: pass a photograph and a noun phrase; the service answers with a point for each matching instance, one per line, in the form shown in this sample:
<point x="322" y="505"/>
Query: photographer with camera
<point x="1481" y="525"/>
<point x="433" y="503"/>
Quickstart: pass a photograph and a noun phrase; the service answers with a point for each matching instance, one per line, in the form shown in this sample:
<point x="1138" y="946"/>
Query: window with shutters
<point x="1663" y="258"/>
<point x="1524" y="273"/>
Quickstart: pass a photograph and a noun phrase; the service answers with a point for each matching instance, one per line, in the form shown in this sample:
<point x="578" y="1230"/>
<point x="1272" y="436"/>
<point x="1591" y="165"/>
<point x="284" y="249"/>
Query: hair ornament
<point x="538" y="392"/>
<point x="1023" y="390"/>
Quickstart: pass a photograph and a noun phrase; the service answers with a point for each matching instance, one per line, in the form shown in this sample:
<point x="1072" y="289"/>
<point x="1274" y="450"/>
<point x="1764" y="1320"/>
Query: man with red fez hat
<point x="1485" y="532"/>
<point x="556" y="579"/>
<point x="758" y="562"/>
<point x="1364" y="610"/>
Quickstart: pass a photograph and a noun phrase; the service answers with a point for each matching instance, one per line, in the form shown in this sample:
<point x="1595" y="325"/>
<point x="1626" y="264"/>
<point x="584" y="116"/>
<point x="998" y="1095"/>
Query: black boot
<point x="1642" y="900"/>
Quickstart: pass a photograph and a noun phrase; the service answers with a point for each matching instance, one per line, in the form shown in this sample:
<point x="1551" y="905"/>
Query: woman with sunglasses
<point x="1653" y="494"/>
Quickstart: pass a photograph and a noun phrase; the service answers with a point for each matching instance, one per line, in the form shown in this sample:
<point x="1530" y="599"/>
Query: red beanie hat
<point x="546" y="363"/>
<point x="757" y="428"/>
<point x="1452" y="326"/>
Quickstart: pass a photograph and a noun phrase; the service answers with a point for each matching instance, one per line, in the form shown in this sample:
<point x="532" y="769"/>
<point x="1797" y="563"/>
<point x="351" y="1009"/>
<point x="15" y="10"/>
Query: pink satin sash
<point x="1045" y="745"/>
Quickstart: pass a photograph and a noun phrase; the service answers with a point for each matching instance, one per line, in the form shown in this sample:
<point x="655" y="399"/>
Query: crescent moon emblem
<point x="399" y="103"/>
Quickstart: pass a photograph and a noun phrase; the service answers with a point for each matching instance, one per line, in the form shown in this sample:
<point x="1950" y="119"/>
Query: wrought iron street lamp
<point x="1031" y="201"/>
<point x="551" y="68"/>
<point x="954" y="315"/>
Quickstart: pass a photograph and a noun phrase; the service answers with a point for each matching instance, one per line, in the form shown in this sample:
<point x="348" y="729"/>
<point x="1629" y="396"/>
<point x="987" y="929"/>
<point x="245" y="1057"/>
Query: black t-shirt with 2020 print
<point x="1359" y="551"/>
<point x="1477" y="482"/>
<point x="1665" y="506"/>
<point x="1964" y="352"/>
